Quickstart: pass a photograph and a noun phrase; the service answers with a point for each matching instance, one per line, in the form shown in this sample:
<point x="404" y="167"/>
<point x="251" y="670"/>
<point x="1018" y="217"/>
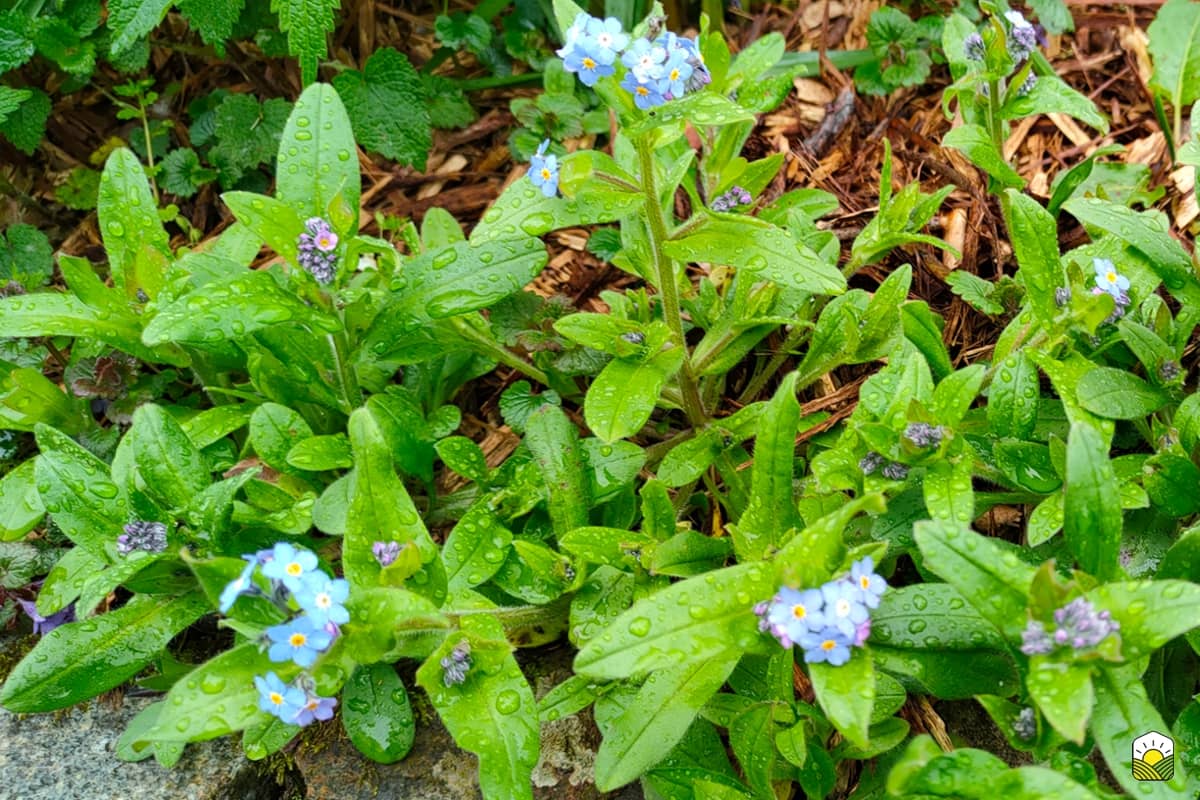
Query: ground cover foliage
<point x="779" y="495"/>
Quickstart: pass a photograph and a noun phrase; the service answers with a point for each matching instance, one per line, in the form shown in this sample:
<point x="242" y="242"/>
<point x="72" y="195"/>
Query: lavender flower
<point x="386" y="552"/>
<point x="895" y="471"/>
<point x="922" y="434"/>
<point x="1025" y="724"/>
<point x="973" y="47"/>
<point x="1022" y="38"/>
<point x="456" y="665"/>
<point x="142" y="535"/>
<point x="735" y="196"/>
<point x="871" y="462"/>
<point x="1027" y="85"/>
<point x="1077" y="625"/>
<point x="316" y="248"/>
<point x="43" y="625"/>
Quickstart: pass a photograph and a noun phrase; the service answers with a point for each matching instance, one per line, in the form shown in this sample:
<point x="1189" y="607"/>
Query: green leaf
<point x="317" y="172"/>
<point x="522" y="208"/>
<point x="216" y="313"/>
<point x="214" y="19"/>
<point x="247" y="134"/>
<point x="1064" y="694"/>
<point x="554" y="441"/>
<point x="381" y="510"/>
<point x="974" y="290"/>
<point x="992" y="579"/>
<point x="771" y="512"/>
<point x="1151" y="613"/>
<point x="1123" y="712"/>
<point x="689" y="553"/>
<point x="388" y="107"/>
<point x="977" y="145"/>
<point x="79" y="660"/>
<point x="137" y="244"/>
<point x="214" y="424"/>
<point x="700" y="108"/>
<point x="658" y="717"/>
<point x="274" y="431"/>
<point x="1053" y="14"/>
<point x="171" y="467"/>
<point x="623" y="396"/>
<point x="493" y="713"/>
<point x="54" y="314"/>
<point x="216" y="698"/>
<point x="377" y="715"/>
<point x="20" y="504"/>
<point x="25" y="126"/>
<point x="16" y="47"/>
<point x="130" y="20"/>
<point x="696" y="619"/>
<point x="1013" y="398"/>
<point x="1144" y="231"/>
<point x="1050" y="95"/>
<point x="182" y="173"/>
<point x="847" y="694"/>
<point x="321" y="453"/>
<point x="306" y="22"/>
<point x="272" y="220"/>
<point x="75" y="487"/>
<point x="475" y="549"/>
<point x="1035" y="243"/>
<point x="1175" y="49"/>
<point x="948" y="493"/>
<point x="1119" y="394"/>
<point x="26" y="257"/>
<point x="266" y="738"/>
<point x="760" y="248"/>
<point x="1092" y="511"/>
<point x="1170" y="480"/>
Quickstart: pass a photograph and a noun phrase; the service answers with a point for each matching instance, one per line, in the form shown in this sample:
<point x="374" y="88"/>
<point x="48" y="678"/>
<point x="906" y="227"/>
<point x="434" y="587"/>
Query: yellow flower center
<point x="297" y="640"/>
<point x="643" y="91"/>
<point x="864" y="582"/>
<point x="588" y="63"/>
<point x="311" y="705"/>
<point x="545" y="174"/>
<point x="675" y="74"/>
<point x="799" y="611"/>
<point x="828" y="644"/>
<point x="1111" y="277"/>
<point x="276" y="698"/>
<point x="294" y="569"/>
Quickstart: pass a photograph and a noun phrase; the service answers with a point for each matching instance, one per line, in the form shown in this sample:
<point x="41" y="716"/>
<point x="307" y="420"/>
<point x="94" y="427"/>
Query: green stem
<point x="498" y="81"/>
<point x="485" y="346"/>
<point x="664" y="270"/>
<point x="347" y="382"/>
<point x="995" y="124"/>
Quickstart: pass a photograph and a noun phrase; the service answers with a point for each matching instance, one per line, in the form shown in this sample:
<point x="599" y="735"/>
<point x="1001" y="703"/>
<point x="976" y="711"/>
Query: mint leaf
<point x="11" y="99"/>
<point x="387" y="107"/>
<point x="247" y="134"/>
<point x="25" y="126"/>
<point x="15" y="45"/>
<point x="214" y="19"/>
<point x="306" y="22"/>
<point x="25" y="257"/>
<point x="131" y="20"/>
<point x="448" y="105"/>
<point x="58" y="41"/>
<point x="182" y="173"/>
<point x="463" y="30"/>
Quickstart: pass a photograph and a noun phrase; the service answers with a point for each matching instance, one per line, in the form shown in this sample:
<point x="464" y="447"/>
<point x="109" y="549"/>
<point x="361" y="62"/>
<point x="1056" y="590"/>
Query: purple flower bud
<point x="922" y="434"/>
<point x="385" y="552"/>
<point x="1025" y="724"/>
<point x="895" y="472"/>
<point x="973" y="47"/>
<point x="142" y="535"/>
<point x="871" y="462"/>
<point x="456" y="665"/>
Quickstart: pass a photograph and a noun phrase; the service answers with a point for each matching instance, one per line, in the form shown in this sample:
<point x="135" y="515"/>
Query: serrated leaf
<point x="247" y="134"/>
<point x="10" y="98"/>
<point x="25" y="126"/>
<point x="387" y="104"/>
<point x="214" y="19"/>
<point x="306" y="22"/>
<point x="130" y="20"/>
<point x="16" y="47"/>
<point x="26" y="257"/>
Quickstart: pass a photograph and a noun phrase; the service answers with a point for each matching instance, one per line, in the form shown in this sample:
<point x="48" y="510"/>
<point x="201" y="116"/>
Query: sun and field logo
<point x="1153" y="757"/>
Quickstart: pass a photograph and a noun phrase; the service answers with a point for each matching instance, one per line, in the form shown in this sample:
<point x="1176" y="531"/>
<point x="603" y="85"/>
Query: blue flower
<point x="675" y="74"/>
<point x="645" y="60"/>
<point x="238" y="586"/>
<point x="299" y="641"/>
<point x="844" y="608"/>
<point x="606" y="36"/>
<point x="585" y="62"/>
<point x="290" y="565"/>
<point x="791" y="613"/>
<point x="1110" y="281"/>
<point x="573" y="34"/>
<point x="828" y="645"/>
<point x="870" y="585"/>
<point x="645" y="95"/>
<point x="314" y="707"/>
<point x="277" y="698"/>
<point x="543" y="170"/>
<point x="323" y="599"/>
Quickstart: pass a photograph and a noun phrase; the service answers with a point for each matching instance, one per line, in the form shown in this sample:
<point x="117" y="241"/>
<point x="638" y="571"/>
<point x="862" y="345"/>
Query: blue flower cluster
<point x="296" y="582"/>
<point x="658" y="69"/>
<point x="829" y="621"/>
